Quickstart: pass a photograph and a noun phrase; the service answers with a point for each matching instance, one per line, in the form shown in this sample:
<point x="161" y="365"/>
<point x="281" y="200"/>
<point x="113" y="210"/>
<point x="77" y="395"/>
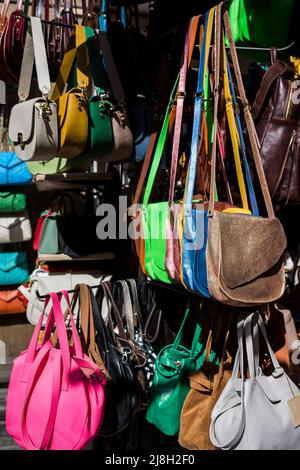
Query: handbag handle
<point x="34" y="50"/>
<point x="111" y="68"/>
<point x="78" y="51"/>
<point x="250" y="186"/>
<point x="207" y="35"/>
<point x="249" y="120"/>
<point x="97" y="69"/>
<point x="104" y="16"/>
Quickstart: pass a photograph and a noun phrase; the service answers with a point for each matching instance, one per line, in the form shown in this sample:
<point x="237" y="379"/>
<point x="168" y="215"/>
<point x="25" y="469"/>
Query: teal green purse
<point x="12" y="202"/>
<point x="170" y="386"/>
<point x="51" y="240"/>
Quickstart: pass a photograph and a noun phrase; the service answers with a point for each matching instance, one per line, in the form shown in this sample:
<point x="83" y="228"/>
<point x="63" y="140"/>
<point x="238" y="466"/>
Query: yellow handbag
<point x="73" y="104"/>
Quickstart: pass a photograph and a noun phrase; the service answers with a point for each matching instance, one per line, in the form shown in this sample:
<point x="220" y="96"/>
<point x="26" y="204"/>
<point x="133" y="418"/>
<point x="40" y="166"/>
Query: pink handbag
<point x="55" y="397"/>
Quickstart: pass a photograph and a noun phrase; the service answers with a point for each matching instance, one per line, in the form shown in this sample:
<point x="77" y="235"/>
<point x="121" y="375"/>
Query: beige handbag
<point x="15" y="229"/>
<point x="244" y="252"/>
<point x="123" y="141"/>
<point x="206" y="387"/>
<point x="33" y="123"/>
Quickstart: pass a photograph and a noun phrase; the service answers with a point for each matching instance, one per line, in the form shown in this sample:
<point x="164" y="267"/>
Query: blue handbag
<point x="13" y="268"/>
<point x="13" y="171"/>
<point x="195" y="228"/>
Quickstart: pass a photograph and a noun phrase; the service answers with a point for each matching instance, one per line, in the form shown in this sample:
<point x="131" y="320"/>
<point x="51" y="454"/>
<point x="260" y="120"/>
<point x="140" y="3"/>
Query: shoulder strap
<point x="34" y="50"/>
<point x="249" y="120"/>
<point x="111" y="68"/>
<point x="97" y="70"/>
<point x="277" y="69"/>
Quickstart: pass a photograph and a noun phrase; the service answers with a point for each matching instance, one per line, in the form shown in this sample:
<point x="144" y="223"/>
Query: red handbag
<point x="12" y="42"/>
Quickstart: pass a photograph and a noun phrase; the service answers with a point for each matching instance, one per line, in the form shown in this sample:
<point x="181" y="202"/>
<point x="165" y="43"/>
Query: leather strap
<point x="217" y="43"/>
<point x="249" y="120"/>
<point x="111" y="68"/>
<point x="180" y="96"/>
<point x="233" y="130"/>
<point x="76" y="49"/>
<point x="34" y="50"/>
<point x="204" y="55"/>
<point x="277" y="69"/>
<point x="96" y="67"/>
<point x="154" y="135"/>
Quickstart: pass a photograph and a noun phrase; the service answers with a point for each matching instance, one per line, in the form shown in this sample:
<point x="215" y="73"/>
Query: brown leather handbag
<point x="10" y="302"/>
<point x="206" y="387"/>
<point x="277" y="118"/>
<point x="12" y="42"/>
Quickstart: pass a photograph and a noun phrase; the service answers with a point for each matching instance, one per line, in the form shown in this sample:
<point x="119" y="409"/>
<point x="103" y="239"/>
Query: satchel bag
<point x="206" y="386"/>
<point x="233" y="277"/>
<point x="42" y="283"/>
<point x="170" y="385"/>
<point x="39" y="417"/>
<point x="33" y="123"/>
<point x="73" y="104"/>
<point x="12" y="170"/>
<point x="12" y="202"/>
<point x="276" y="115"/>
<point x="100" y="142"/>
<point x="122" y="136"/>
<point x="10" y="302"/>
<point x="13" y="268"/>
<point x="12" y="40"/>
<point x="256" y="412"/>
<point x="15" y="229"/>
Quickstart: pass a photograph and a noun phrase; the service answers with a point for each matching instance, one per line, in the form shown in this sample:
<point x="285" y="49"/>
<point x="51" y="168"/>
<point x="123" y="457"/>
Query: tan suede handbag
<point x="244" y="252"/>
<point x="206" y="387"/>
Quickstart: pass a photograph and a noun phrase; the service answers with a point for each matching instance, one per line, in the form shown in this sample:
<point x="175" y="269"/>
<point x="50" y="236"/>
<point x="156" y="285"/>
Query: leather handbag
<point x="33" y="123"/>
<point x="170" y="386"/>
<point x="12" y="40"/>
<point x="258" y="411"/>
<point x="10" y="302"/>
<point x="276" y="116"/>
<point x="206" y="386"/>
<point x="122" y="136"/>
<point x="15" y="229"/>
<point x="13" y="268"/>
<point x="67" y="415"/>
<point x="12" y="170"/>
<point x="73" y="104"/>
<point x="12" y="202"/>
<point x="233" y="277"/>
<point x="123" y="397"/>
<point x="43" y="282"/>
<point x="100" y="141"/>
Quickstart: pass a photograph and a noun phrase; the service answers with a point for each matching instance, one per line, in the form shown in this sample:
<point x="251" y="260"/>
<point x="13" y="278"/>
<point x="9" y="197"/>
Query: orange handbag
<point x="10" y="302"/>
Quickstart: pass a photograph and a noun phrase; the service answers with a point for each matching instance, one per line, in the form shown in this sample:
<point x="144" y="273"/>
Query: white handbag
<point x="253" y="413"/>
<point x="42" y="282"/>
<point x="15" y="229"/>
<point x="33" y="126"/>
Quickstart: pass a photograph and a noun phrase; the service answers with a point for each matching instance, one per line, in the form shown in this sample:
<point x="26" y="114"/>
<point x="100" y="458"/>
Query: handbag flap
<point x="68" y="104"/>
<point x="17" y="123"/>
<point x="249" y="246"/>
<point x="54" y="283"/>
<point x="9" y="160"/>
<point x="10" y="261"/>
<point x="8" y="296"/>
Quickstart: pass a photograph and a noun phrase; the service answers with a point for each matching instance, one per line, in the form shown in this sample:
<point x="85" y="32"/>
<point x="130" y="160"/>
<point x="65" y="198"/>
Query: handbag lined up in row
<point x="211" y="250"/>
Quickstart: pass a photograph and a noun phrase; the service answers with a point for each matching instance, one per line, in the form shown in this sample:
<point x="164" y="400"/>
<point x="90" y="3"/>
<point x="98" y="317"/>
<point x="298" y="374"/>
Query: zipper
<point x="288" y="101"/>
<point x="291" y="143"/>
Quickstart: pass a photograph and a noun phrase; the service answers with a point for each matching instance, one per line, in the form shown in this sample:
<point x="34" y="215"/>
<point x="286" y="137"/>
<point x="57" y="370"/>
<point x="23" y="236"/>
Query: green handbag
<point x="262" y="23"/>
<point x="12" y="202"/>
<point x="154" y="215"/>
<point x="100" y="127"/>
<point x="170" y="386"/>
<point x="51" y="240"/>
